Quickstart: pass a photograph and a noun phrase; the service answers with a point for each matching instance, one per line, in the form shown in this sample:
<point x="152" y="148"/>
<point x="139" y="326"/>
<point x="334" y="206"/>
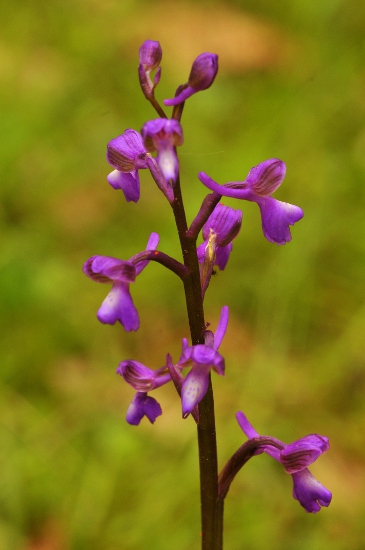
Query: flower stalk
<point x="219" y="225"/>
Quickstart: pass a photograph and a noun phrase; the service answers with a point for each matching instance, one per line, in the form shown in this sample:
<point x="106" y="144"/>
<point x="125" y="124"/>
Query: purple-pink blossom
<point x="127" y="154"/>
<point x="261" y="182"/>
<point x="163" y="135"/>
<point x="222" y="226"/>
<point x="201" y="358"/>
<point x="296" y="457"/>
<point x="118" y="305"/>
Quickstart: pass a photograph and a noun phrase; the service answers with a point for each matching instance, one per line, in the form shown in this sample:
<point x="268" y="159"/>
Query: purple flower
<point x="222" y="226"/>
<point x="202" y="75"/>
<point x="163" y="135"/>
<point x="118" y="305"/>
<point x="295" y="458"/>
<point x="150" y="55"/>
<point x="202" y="358"/>
<point x="127" y="154"/>
<point x="261" y="182"/>
<point x="141" y="378"/>
<point x="142" y="405"/>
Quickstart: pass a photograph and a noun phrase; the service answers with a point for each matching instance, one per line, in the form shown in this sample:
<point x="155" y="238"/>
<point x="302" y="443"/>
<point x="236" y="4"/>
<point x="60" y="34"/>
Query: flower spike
<point x="261" y="182"/>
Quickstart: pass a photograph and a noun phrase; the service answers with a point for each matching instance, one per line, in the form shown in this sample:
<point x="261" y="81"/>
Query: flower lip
<point x="143" y="405"/>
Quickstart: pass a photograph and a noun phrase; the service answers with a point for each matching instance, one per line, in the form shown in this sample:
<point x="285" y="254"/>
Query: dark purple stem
<point x="156" y="256"/>
<point x="208" y="462"/>
<point x="240" y="457"/>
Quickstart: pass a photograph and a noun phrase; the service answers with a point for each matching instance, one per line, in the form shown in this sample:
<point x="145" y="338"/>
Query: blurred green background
<point x="291" y="85"/>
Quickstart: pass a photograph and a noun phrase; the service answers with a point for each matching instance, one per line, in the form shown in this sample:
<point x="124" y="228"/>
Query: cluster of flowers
<point x="131" y="152"/>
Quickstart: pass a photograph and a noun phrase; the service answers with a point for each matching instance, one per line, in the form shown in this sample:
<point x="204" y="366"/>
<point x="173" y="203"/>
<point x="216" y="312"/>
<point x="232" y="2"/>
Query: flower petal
<point x="168" y="163"/>
<point x="265" y="178"/>
<point x="140" y="377"/>
<point x="106" y="269"/>
<point x="301" y="453"/>
<point x="276" y="217"/>
<point x="309" y="492"/>
<point x="222" y="327"/>
<point x="128" y="182"/>
<point x="194" y="388"/>
<point x="119" y="306"/>
<point x="222" y="255"/>
<point x="143" y="405"/>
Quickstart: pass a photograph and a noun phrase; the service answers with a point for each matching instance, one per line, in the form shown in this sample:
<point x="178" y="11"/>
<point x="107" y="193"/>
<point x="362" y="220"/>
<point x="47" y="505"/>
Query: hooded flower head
<point x="141" y="378"/>
<point x="202" y="75"/>
<point x="118" y="305"/>
<point x="261" y="182"/>
<point x="163" y="135"/>
<point x="201" y="358"/>
<point x="127" y="154"/>
<point x="296" y="457"/>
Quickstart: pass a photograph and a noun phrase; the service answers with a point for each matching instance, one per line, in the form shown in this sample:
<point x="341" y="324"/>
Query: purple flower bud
<point x="202" y="75"/>
<point x="295" y="458"/>
<point x="162" y="135"/>
<point x="127" y="154"/>
<point x="262" y="180"/>
<point x="143" y="405"/>
<point x="150" y="54"/>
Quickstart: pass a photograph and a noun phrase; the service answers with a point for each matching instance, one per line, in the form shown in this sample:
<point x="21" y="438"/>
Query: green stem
<point x="211" y="508"/>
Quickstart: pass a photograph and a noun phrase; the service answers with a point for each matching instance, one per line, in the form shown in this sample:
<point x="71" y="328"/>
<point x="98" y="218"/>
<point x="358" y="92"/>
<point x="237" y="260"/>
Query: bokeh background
<point x="291" y="85"/>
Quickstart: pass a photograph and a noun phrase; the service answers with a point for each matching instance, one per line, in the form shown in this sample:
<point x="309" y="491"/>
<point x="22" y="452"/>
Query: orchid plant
<point x="220" y="224"/>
